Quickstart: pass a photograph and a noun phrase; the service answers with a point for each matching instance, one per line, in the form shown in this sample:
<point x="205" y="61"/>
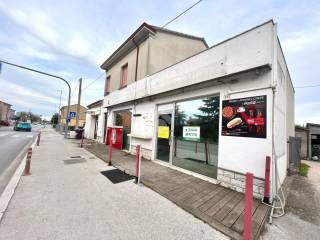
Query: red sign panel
<point x="114" y="134"/>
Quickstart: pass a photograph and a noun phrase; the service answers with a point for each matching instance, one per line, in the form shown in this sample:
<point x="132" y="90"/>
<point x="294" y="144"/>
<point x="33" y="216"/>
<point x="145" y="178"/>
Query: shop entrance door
<point x="163" y="136"/>
<point x="164" y="132"/>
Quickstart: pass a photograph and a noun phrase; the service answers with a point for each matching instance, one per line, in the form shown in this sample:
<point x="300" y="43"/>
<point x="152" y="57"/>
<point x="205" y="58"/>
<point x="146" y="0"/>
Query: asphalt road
<point x="12" y="143"/>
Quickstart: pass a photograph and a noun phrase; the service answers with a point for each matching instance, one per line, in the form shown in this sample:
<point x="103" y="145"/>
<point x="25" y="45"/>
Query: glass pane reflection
<point x="198" y="154"/>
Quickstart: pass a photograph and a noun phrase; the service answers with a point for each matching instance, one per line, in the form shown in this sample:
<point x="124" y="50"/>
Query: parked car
<point x="4" y="123"/>
<point x="22" y="126"/>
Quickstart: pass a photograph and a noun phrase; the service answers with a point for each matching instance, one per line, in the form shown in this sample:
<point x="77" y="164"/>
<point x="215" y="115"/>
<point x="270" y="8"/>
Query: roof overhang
<point x="95" y="104"/>
<point x="137" y="37"/>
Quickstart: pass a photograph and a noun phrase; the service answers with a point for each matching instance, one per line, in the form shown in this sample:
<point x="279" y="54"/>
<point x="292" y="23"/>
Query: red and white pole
<point x="137" y="177"/>
<point x="266" y="198"/>
<point x="248" y="199"/>
<point x="28" y="163"/>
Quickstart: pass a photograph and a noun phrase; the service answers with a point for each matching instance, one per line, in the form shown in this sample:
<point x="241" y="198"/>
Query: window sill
<point x="122" y="87"/>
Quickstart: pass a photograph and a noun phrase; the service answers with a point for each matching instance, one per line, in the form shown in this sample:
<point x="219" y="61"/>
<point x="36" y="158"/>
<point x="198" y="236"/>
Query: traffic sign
<point x="72" y="114"/>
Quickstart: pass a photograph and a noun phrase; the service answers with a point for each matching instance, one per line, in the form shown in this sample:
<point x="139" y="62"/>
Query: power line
<point x="181" y="14"/>
<point x="308" y="86"/>
<point x="93" y="81"/>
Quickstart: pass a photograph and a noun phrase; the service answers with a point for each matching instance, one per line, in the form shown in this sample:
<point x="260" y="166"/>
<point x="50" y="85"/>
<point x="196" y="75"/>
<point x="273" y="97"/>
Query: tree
<point x="54" y="118"/>
<point x="179" y="120"/>
<point x="25" y="116"/>
<point x="209" y="120"/>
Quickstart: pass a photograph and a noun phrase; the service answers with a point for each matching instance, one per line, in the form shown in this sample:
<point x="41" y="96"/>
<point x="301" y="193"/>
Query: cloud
<point x="23" y="92"/>
<point x="301" y="40"/>
<point x="71" y="39"/>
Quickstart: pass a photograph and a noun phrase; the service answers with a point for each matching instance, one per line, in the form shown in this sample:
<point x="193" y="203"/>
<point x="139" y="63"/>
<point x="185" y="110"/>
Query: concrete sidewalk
<point x="75" y="201"/>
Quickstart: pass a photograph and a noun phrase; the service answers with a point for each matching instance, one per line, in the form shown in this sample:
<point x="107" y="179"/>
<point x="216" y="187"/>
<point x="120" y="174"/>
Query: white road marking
<point x="16" y="135"/>
<point x="3" y="134"/>
<point x="29" y="136"/>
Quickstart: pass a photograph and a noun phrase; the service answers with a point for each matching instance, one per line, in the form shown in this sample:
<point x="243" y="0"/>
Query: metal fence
<point x="294" y="155"/>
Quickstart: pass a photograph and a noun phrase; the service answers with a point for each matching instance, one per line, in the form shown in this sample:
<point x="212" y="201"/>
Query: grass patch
<point x="303" y="169"/>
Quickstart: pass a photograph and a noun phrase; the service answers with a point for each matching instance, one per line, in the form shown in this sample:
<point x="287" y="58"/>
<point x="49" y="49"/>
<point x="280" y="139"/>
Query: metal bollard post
<point x="137" y="163"/>
<point x="248" y="207"/>
<point x="38" y="140"/>
<point x="28" y="163"/>
<point x="110" y="153"/>
<point x="82" y="136"/>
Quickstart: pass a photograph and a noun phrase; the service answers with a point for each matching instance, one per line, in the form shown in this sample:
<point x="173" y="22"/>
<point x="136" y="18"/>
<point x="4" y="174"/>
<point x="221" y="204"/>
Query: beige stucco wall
<point x="4" y="111"/>
<point x="73" y="108"/>
<point x="155" y="53"/>
<point x="130" y="59"/>
<point x="167" y="49"/>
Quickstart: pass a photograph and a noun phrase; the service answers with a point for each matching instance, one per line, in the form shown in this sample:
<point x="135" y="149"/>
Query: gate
<point x="294" y="155"/>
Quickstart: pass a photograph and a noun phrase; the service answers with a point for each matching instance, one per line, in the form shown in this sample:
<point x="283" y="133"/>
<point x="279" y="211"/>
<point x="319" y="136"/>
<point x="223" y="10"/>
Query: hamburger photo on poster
<point x="245" y="117"/>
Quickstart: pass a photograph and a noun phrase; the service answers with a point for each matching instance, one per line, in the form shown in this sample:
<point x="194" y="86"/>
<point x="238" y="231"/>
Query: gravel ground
<point x="302" y="219"/>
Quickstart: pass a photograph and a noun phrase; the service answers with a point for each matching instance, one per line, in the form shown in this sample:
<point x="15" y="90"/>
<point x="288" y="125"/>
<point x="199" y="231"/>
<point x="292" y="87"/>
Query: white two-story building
<point x="212" y="112"/>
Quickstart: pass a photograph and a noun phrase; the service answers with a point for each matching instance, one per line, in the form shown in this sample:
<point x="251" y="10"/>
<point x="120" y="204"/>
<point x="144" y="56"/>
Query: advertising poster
<point x="245" y="117"/>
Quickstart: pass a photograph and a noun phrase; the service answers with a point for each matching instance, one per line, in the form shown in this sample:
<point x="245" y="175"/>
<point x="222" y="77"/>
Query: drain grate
<point x="73" y="161"/>
<point x="116" y="176"/>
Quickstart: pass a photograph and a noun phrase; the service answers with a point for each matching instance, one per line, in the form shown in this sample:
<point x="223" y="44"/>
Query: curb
<point x="12" y="185"/>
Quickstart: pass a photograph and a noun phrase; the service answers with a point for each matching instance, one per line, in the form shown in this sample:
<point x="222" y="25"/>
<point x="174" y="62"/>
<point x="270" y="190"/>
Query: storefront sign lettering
<point x="191" y="133"/>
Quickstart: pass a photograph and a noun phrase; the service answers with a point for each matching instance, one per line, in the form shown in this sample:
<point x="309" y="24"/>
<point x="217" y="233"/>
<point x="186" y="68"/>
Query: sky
<point x="72" y="38"/>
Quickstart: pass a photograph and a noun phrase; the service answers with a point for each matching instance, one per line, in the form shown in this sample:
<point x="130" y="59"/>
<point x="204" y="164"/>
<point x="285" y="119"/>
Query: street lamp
<point x="59" y="116"/>
<point x="51" y="75"/>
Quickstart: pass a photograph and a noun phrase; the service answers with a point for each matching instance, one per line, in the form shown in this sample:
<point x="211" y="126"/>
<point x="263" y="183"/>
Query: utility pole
<point x="59" y="114"/>
<point x="51" y="75"/>
<point x="78" y="106"/>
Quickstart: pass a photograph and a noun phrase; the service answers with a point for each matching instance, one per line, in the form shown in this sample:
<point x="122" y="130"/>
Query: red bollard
<point x="248" y="199"/>
<point x="38" y="140"/>
<point x="82" y="136"/>
<point x="110" y="153"/>
<point x="28" y="163"/>
<point x="266" y="197"/>
<point x="137" y="163"/>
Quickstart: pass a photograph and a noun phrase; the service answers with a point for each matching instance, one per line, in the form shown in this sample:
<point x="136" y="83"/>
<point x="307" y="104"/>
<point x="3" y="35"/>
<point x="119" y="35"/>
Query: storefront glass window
<point x="196" y="133"/>
<point x="123" y="118"/>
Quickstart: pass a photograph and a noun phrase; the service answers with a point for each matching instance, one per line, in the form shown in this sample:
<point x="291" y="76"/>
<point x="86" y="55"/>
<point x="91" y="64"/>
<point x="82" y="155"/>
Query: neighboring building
<point x="216" y="114"/>
<point x="11" y="113"/>
<point x="314" y="140"/>
<point x="73" y="109"/>
<point x="310" y="140"/>
<point x="5" y="111"/>
<point x="303" y="133"/>
<point x="94" y="120"/>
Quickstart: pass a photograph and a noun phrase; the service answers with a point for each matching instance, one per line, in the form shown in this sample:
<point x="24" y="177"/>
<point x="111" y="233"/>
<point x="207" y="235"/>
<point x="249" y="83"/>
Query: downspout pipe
<point x="137" y="59"/>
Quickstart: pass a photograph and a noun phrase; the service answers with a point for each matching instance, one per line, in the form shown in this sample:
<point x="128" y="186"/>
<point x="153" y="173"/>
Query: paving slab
<point x="220" y="207"/>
